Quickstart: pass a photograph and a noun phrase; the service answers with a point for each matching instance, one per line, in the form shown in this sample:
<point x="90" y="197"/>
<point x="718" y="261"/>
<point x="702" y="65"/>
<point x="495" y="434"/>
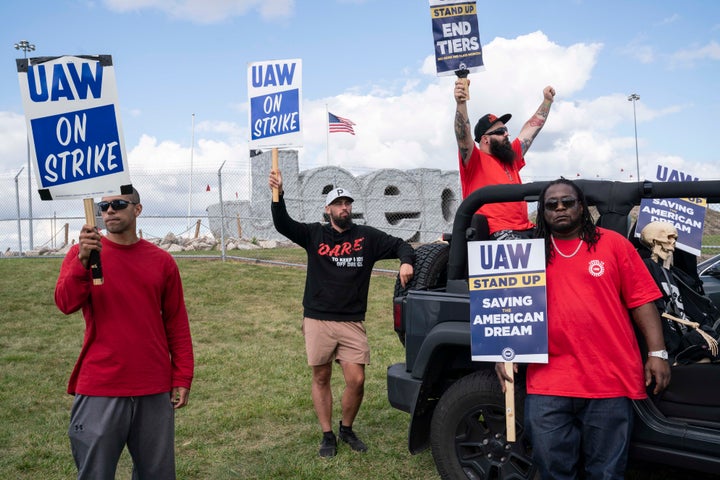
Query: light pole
<point x="26" y="46"/>
<point x="633" y="98"/>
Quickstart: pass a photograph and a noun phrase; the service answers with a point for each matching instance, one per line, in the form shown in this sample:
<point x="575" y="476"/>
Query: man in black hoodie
<point x="340" y="259"/>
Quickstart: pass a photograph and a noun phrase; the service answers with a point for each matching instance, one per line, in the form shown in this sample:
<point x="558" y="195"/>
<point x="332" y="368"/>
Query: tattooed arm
<point x="533" y="126"/>
<point x="463" y="132"/>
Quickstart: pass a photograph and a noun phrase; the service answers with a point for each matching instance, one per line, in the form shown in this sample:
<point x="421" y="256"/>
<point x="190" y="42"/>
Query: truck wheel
<point x="468" y="434"/>
<point x="430" y="269"/>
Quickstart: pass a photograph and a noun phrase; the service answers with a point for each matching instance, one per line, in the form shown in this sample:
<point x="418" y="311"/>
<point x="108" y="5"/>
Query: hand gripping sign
<point x="457" y="38"/>
<point x="74" y="132"/>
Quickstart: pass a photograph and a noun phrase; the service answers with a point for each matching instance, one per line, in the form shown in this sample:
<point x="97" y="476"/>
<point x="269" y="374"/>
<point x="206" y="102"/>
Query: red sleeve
<point x="638" y="287"/>
<point x="73" y="284"/>
<point x="177" y="328"/>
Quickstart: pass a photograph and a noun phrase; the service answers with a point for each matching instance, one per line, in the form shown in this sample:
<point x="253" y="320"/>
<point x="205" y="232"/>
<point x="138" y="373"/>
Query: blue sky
<point x="373" y="61"/>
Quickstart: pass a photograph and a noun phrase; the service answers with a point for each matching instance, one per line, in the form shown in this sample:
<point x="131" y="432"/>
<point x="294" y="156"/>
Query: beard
<point x="565" y="227"/>
<point x="343" y="223"/>
<point x="502" y="150"/>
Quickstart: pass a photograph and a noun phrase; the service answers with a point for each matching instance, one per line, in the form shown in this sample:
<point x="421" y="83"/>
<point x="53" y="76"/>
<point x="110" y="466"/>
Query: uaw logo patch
<point x="596" y="268"/>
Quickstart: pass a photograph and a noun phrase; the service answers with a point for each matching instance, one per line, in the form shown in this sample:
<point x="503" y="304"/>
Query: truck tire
<point x="468" y="432"/>
<point x="430" y="269"/>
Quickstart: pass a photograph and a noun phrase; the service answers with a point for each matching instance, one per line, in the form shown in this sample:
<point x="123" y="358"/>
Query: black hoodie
<point x="339" y="265"/>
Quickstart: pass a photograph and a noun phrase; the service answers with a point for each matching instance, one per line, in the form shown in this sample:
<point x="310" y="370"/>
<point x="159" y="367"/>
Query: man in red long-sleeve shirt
<point x="136" y="363"/>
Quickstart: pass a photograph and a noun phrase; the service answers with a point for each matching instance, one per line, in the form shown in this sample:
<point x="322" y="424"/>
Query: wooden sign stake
<point x="95" y="267"/>
<point x="275" y="191"/>
<point x="510" y="404"/>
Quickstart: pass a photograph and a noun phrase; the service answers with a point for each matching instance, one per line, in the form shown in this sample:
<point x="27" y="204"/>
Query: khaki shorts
<point x="327" y="340"/>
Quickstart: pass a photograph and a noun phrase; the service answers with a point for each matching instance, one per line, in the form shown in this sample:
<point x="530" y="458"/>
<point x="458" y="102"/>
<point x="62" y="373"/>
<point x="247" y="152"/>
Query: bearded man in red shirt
<point x="494" y="160"/>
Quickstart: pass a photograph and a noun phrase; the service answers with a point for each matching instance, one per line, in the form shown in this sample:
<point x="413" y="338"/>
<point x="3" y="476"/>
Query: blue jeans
<point x="573" y="434"/>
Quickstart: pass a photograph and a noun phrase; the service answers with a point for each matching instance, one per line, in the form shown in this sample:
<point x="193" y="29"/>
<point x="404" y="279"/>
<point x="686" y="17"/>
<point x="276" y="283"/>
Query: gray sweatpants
<point x="100" y="427"/>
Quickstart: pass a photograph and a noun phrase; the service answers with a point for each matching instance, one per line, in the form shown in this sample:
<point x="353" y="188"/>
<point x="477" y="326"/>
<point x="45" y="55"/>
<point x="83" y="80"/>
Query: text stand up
<point x="510" y="403"/>
<point x="95" y="267"/>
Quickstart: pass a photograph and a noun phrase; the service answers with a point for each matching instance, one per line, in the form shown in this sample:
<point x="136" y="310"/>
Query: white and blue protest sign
<point x="456" y="36"/>
<point x="74" y="128"/>
<point x="275" y="96"/>
<point x="687" y="215"/>
<point x="508" y="302"/>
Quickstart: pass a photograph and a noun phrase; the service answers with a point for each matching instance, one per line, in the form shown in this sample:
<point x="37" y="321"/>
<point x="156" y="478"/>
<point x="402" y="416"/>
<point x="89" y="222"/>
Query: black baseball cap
<point x="487" y="121"/>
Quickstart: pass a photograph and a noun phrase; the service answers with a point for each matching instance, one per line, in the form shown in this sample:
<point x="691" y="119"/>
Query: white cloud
<point x="409" y="125"/>
<point x="153" y="156"/>
<point x="413" y="128"/>
<point x="668" y="20"/>
<point x="639" y="51"/>
<point x="689" y="57"/>
<point x="13" y="141"/>
<point x="207" y="11"/>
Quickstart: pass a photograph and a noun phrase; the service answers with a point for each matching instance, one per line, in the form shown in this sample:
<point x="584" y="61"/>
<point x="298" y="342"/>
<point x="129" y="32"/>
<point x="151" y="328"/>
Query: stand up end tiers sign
<point x="457" y="37"/>
<point x="74" y="130"/>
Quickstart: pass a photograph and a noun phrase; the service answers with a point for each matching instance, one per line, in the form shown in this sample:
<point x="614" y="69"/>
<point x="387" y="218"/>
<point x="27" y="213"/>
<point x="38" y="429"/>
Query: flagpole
<point x="327" y="133"/>
<point x="192" y="148"/>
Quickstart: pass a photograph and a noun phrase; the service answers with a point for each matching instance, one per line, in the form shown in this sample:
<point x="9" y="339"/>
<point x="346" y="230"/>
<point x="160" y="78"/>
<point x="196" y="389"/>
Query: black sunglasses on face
<point x="498" y="131"/>
<point x="115" y="204"/>
<point x="554" y="203"/>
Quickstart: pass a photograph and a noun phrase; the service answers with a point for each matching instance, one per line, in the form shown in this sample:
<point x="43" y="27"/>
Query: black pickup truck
<point x="457" y="407"/>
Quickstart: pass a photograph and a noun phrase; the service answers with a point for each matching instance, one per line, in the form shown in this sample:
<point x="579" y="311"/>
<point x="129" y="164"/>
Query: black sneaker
<point x="349" y="437"/>
<point x="328" y="446"/>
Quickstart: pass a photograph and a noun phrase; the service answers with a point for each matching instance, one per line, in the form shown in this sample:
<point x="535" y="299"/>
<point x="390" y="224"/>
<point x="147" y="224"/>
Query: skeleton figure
<point x="660" y="237"/>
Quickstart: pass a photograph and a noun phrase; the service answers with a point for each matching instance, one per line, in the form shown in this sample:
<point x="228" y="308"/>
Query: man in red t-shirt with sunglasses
<point x="494" y="160"/>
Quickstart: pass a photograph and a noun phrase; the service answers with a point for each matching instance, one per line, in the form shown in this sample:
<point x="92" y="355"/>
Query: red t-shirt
<point x="593" y="350"/>
<point x="137" y="335"/>
<point x="484" y="169"/>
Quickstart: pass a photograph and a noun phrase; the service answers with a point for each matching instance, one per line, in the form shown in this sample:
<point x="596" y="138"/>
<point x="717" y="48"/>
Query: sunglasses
<point x="554" y="203"/>
<point x="498" y="131"/>
<point x="115" y="204"/>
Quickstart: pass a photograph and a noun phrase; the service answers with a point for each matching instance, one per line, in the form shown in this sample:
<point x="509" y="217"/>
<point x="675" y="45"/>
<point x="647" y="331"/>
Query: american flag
<point x="339" y="124"/>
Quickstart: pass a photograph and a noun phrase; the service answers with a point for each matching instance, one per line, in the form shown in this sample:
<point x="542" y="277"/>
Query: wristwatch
<point x="659" y="353"/>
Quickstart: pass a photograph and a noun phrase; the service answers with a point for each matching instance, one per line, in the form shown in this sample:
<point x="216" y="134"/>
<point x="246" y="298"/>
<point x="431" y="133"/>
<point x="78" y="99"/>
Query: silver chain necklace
<point x="552" y="239"/>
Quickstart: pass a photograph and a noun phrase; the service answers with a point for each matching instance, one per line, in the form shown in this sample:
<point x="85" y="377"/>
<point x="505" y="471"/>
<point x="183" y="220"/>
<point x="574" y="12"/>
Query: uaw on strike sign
<point x="508" y="305"/>
<point x="74" y="130"/>
<point x="275" y="97"/>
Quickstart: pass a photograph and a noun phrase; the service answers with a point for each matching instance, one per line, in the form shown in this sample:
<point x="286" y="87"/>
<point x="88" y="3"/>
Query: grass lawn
<point x="250" y="415"/>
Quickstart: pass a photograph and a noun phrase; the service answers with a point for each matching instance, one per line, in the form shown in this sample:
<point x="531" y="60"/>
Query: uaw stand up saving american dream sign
<point x="508" y="307"/>
<point x="74" y="131"/>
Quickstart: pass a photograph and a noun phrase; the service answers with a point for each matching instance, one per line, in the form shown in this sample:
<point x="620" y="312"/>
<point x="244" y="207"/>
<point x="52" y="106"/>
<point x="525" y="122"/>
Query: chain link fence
<point x="229" y="204"/>
<point x="173" y="203"/>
